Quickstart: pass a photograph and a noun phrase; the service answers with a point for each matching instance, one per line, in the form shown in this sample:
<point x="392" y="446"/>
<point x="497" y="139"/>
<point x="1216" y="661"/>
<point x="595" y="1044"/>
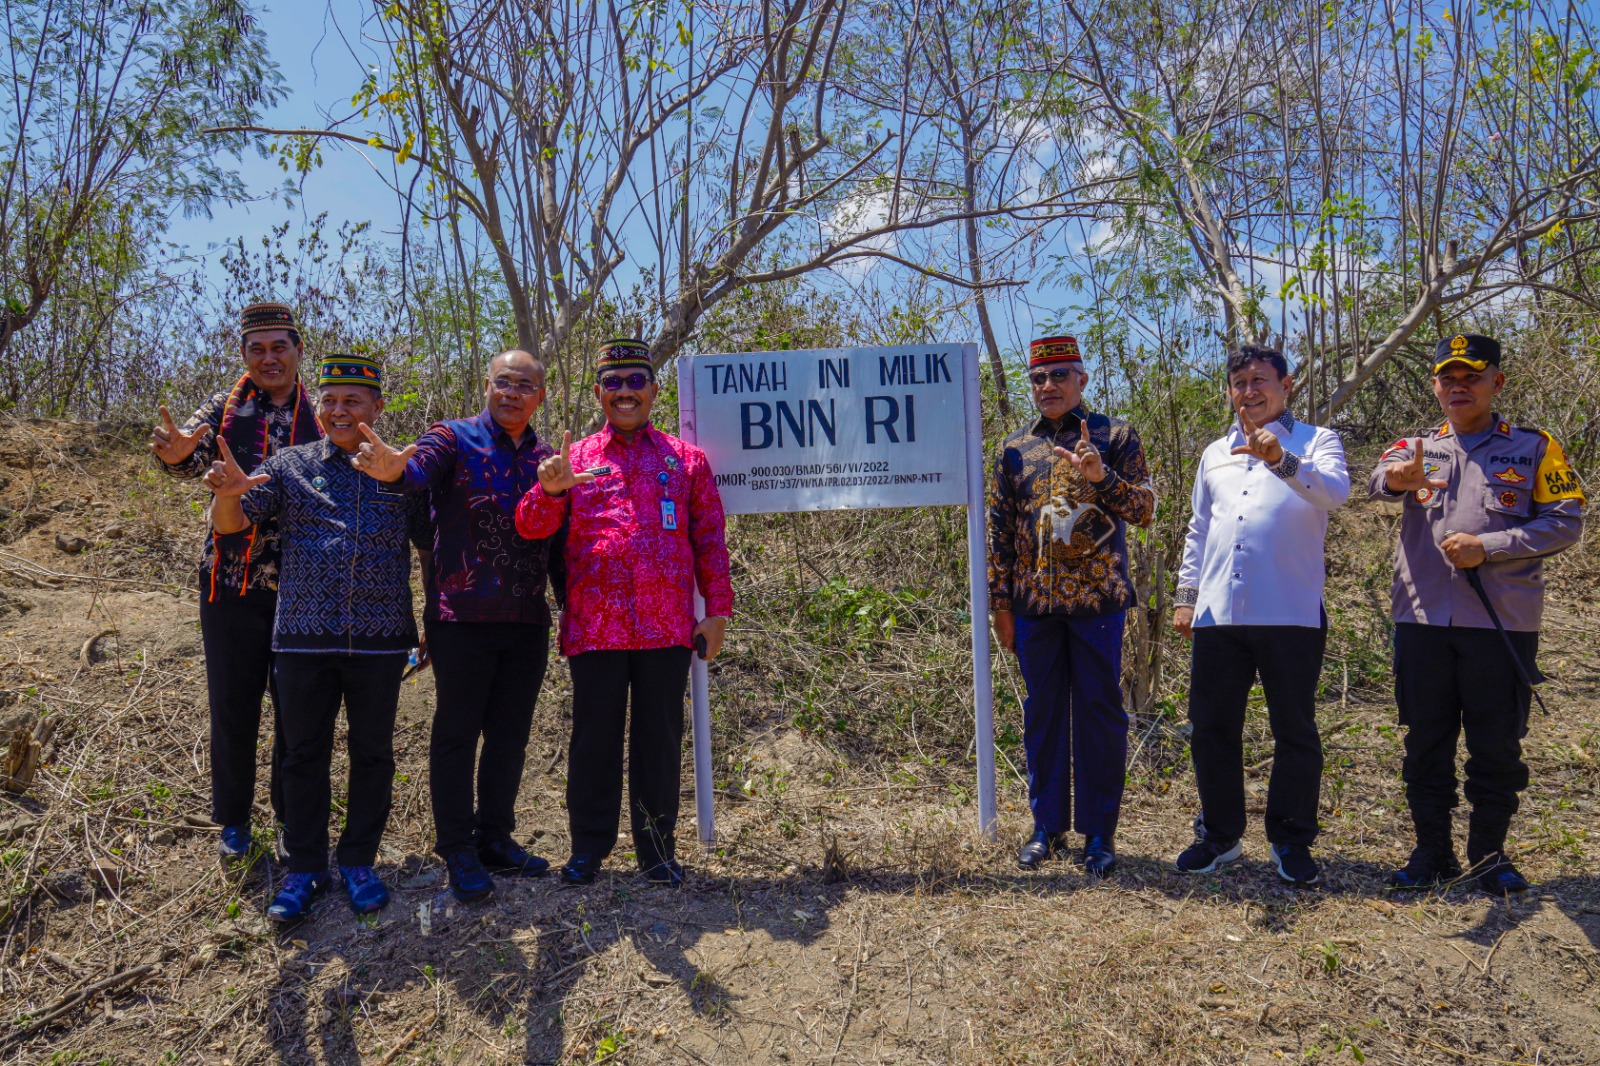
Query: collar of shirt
<point x="609" y="436"/>
<point x="1052" y="427"/>
<point x="331" y="451"/>
<point x="1497" y="425"/>
<point x="497" y="433"/>
<point x="1286" y="420"/>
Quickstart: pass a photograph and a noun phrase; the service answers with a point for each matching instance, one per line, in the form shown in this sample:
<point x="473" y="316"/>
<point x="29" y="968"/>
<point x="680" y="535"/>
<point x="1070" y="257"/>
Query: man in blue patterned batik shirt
<point x="488" y="625"/>
<point x="342" y="631"/>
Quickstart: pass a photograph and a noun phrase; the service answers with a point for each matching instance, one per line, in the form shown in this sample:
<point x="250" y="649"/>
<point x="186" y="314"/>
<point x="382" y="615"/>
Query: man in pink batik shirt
<point x="645" y="524"/>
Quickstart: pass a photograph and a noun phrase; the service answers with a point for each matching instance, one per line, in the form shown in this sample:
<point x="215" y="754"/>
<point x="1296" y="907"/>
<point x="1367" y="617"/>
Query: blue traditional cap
<point x="350" y="370"/>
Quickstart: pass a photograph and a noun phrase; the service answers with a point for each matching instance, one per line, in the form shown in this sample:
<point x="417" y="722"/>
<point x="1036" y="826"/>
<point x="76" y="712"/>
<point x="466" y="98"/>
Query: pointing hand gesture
<point x="555" y="473"/>
<point x="379" y="460"/>
<point x="172" y="445"/>
<point x="1259" y="442"/>
<point x="1411" y="474"/>
<point x="225" y="478"/>
<point x="1084" y="456"/>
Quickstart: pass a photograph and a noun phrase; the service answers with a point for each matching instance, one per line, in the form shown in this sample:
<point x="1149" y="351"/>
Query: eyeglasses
<point x="1039" y="377"/>
<point x="519" y="388"/>
<point x="635" y="381"/>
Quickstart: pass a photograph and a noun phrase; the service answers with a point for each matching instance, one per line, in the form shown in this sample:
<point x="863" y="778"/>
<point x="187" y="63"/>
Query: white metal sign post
<point x="845" y="429"/>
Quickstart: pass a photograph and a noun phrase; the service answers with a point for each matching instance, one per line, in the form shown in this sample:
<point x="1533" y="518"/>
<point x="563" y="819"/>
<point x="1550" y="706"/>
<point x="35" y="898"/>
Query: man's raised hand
<point x="1084" y="456"/>
<point x="172" y="445"/>
<point x="225" y="478"/>
<point x="555" y="473"/>
<point x="1411" y="474"/>
<point x="1259" y="442"/>
<point x="378" y="460"/>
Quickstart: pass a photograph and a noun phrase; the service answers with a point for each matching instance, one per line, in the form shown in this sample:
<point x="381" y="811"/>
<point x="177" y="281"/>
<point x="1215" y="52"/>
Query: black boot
<point x="1486" y="851"/>
<point x="1433" y="861"/>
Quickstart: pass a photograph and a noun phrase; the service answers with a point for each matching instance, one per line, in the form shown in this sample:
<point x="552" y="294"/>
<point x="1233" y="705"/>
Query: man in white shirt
<point x="1250" y="595"/>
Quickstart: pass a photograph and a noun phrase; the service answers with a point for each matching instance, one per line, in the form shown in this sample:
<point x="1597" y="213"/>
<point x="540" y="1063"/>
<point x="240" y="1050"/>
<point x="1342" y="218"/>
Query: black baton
<point x="1476" y="581"/>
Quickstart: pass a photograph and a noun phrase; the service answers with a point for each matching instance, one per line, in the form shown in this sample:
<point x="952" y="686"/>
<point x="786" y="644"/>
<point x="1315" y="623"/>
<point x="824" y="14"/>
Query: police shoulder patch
<point x="1556" y="480"/>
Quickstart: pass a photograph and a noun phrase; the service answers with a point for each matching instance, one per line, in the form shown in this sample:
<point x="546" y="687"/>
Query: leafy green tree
<point x="99" y="139"/>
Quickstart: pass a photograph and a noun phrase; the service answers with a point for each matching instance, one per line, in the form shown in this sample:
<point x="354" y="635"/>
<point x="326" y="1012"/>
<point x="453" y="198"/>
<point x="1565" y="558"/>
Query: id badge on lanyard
<point x="669" y="515"/>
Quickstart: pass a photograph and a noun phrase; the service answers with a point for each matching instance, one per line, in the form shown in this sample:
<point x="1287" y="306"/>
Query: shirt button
<point x="1241" y="518"/>
<point x="1237" y="574"/>
<point x="1246" y="492"/>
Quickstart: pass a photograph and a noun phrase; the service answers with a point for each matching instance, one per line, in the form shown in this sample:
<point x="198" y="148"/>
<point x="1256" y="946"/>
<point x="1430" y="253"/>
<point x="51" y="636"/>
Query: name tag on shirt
<point x="669" y="515"/>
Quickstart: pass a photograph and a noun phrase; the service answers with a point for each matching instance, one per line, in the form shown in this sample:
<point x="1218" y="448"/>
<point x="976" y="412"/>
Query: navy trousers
<point x="1073" y="725"/>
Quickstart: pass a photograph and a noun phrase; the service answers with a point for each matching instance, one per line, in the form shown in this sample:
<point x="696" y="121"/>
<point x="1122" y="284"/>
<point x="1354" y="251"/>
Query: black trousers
<point x="487" y="676"/>
<point x="1454" y="679"/>
<point x="236" y="632"/>
<point x="602" y="682"/>
<point x="312" y="686"/>
<point x="1226" y="662"/>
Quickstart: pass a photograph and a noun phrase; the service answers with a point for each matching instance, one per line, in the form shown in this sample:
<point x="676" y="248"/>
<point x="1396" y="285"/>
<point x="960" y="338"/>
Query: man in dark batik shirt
<point x="343" y="628"/>
<point x="265" y="411"/>
<point x="1064" y="489"/>
<point x="487" y="622"/>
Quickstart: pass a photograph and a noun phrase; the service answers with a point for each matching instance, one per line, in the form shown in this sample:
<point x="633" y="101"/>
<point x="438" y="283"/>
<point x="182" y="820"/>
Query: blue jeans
<point x="1073" y="725"/>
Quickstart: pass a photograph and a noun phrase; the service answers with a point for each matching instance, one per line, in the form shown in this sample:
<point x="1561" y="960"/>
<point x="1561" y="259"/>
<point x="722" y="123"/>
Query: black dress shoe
<point x="1039" y="847"/>
<point x="1099" y="856"/>
<point x="665" y="872"/>
<point x="581" y="869"/>
<point x="506" y="856"/>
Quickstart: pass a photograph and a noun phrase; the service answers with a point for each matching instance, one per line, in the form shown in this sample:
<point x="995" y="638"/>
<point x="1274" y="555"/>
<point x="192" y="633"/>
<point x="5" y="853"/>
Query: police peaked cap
<point x="1470" y="349"/>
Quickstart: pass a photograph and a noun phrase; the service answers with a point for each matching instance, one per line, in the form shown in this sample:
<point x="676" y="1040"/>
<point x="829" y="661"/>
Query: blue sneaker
<point x="469" y="881"/>
<point x="293" y="901"/>
<point x="365" y="891"/>
<point x="234" y="847"/>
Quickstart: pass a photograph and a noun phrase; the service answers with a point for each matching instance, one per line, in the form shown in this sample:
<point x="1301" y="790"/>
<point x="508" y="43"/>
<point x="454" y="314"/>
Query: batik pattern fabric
<point x="639" y="540"/>
<point x="346" y="571"/>
<point x="474" y="476"/>
<point x="255" y="427"/>
<point x="1057" y="541"/>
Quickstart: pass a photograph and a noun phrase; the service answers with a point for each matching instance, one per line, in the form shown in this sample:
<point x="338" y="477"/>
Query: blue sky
<point x="318" y="67"/>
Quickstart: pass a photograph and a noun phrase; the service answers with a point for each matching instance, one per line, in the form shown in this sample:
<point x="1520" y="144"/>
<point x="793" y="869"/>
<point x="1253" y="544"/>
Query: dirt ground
<point x="849" y="913"/>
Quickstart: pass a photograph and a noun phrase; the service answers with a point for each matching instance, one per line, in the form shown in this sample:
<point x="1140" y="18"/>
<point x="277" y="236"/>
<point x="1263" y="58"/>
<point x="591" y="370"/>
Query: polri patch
<point x="1510" y="476"/>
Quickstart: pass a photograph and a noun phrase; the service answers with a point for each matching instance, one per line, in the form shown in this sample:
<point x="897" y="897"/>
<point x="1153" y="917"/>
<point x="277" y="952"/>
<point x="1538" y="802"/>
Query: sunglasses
<point x="635" y="381"/>
<point x="1039" y="377"/>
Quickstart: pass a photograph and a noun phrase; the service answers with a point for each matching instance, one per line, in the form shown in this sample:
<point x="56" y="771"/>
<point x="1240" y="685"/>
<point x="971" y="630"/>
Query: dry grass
<point x="850" y="914"/>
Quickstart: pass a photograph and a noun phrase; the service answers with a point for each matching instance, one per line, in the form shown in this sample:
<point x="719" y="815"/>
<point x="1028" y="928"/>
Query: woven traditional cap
<point x="1054" y="350"/>
<point x="1469" y="349"/>
<point x="622" y="352"/>
<point x="350" y="370"/>
<point x="257" y="317"/>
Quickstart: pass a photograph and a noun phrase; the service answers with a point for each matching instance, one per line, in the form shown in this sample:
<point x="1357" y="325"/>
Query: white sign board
<point x="837" y="428"/>
<point x="845" y="428"/>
